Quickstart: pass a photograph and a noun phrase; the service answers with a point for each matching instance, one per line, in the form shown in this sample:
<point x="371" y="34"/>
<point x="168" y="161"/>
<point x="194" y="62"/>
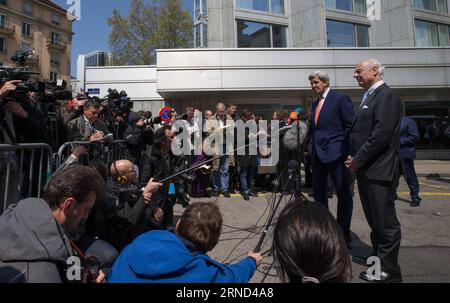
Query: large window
<point x="2" y="45"/>
<point x="26" y="29"/>
<point x="270" y="6"/>
<point x="3" y="2"/>
<point x="55" y="38"/>
<point x="256" y="34"/>
<point x="56" y="19"/>
<point x="357" y="6"/>
<point x="53" y="76"/>
<point x="343" y="34"/>
<point x="439" y="6"/>
<point x="27" y="8"/>
<point x="2" y="21"/>
<point x="432" y="34"/>
<point x="54" y="58"/>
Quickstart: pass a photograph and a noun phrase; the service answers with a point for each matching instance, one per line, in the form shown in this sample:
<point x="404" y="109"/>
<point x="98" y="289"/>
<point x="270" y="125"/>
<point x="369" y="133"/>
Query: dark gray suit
<point x="375" y="147"/>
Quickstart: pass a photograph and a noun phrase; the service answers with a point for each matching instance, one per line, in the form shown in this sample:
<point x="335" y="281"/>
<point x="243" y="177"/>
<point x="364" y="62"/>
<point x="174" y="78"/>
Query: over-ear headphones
<point x="121" y="179"/>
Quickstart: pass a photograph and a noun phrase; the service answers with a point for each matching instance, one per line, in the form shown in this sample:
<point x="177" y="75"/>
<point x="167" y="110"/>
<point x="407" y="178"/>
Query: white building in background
<point x="259" y="53"/>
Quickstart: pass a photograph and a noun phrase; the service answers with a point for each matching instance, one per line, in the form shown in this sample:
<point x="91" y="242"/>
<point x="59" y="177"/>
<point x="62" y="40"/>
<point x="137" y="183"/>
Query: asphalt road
<point x="424" y="252"/>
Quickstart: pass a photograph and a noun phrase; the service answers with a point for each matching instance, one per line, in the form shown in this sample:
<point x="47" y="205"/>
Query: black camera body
<point x="119" y="101"/>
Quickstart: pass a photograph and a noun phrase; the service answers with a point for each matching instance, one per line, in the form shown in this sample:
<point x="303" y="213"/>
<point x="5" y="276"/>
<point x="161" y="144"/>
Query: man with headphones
<point x="124" y="206"/>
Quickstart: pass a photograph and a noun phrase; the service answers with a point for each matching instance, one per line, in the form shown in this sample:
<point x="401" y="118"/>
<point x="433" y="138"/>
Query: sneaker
<point x="246" y="196"/>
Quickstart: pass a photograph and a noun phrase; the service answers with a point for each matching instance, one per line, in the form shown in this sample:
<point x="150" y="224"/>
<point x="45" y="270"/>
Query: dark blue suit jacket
<point x="330" y="137"/>
<point x="409" y="136"/>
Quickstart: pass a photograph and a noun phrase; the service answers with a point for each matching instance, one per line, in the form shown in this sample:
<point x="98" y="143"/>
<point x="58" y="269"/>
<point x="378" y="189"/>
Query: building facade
<point x="42" y="26"/>
<point x="317" y="23"/>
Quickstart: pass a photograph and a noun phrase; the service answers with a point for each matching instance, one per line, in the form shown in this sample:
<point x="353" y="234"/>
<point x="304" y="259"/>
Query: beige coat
<point x="209" y="145"/>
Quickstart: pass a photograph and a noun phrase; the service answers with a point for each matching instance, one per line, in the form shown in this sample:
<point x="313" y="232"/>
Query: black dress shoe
<point x="226" y="194"/>
<point x="415" y="202"/>
<point x="383" y="278"/>
<point x="246" y="196"/>
<point x="252" y="194"/>
<point x="360" y="260"/>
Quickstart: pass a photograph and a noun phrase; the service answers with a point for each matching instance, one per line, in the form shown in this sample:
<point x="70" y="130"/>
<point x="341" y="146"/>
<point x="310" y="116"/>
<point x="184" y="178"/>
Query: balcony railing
<point x="56" y="44"/>
<point x="7" y="28"/>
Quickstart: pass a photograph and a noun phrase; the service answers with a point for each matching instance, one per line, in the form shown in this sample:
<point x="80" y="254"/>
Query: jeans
<point x="245" y="175"/>
<point x="222" y="176"/>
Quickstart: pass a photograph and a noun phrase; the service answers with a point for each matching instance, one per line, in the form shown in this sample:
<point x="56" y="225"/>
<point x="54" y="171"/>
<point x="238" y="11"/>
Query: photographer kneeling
<point x="125" y="205"/>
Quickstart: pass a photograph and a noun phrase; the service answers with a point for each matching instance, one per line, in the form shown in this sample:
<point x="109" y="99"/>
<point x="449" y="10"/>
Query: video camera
<point x="19" y="73"/>
<point x="54" y="91"/>
<point x="47" y="92"/>
<point x="118" y="101"/>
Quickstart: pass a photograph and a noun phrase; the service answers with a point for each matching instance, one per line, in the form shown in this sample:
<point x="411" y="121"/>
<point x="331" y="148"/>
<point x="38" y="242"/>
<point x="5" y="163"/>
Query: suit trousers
<point x="411" y="178"/>
<point x="377" y="199"/>
<point x="339" y="176"/>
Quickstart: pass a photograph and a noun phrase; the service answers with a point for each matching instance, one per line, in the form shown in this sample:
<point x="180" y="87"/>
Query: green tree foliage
<point x="150" y="25"/>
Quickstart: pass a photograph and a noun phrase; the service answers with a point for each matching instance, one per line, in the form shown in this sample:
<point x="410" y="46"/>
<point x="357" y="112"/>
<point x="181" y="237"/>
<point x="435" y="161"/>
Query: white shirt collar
<point x="375" y="86"/>
<point x="325" y="94"/>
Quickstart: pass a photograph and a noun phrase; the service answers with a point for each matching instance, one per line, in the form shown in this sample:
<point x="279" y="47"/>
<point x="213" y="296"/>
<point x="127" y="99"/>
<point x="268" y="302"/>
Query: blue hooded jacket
<point x="163" y="257"/>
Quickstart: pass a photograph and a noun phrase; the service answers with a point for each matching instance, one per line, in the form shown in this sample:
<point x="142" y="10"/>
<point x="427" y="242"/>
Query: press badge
<point x="171" y="189"/>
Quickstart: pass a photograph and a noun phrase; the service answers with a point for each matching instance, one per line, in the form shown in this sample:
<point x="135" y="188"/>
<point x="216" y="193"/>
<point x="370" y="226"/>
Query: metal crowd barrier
<point x="24" y="170"/>
<point x="106" y="152"/>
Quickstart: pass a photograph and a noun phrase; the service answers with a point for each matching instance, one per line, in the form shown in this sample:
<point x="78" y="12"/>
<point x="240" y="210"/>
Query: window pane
<point x="26" y="29"/>
<point x="197" y="8"/>
<point x="346" y="5"/>
<point x="2" y="20"/>
<point x="2" y="45"/>
<point x="205" y="35"/>
<point x="362" y="35"/>
<point x="330" y="3"/>
<point x="426" y="34"/>
<point x="56" y="19"/>
<point x="253" y="34"/>
<point x="360" y="6"/>
<point x="197" y="36"/>
<point x="27" y="8"/>
<point x="444" y="35"/>
<point x="424" y="4"/>
<point x="441" y="6"/>
<point x="340" y="34"/>
<point x="258" y="5"/>
<point x="278" y="7"/>
<point x="279" y="36"/>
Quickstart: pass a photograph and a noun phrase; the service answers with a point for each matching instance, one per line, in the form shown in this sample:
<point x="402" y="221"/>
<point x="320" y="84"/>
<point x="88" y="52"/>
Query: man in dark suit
<point x="330" y="123"/>
<point x="409" y="136"/>
<point x="87" y="127"/>
<point x="375" y="157"/>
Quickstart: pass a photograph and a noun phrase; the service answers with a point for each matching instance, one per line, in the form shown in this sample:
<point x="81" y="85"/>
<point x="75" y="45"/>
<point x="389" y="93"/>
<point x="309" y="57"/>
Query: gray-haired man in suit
<point x="375" y="157"/>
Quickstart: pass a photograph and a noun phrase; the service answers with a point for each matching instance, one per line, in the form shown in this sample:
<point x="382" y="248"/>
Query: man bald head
<point x="368" y="72"/>
<point x="125" y="168"/>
